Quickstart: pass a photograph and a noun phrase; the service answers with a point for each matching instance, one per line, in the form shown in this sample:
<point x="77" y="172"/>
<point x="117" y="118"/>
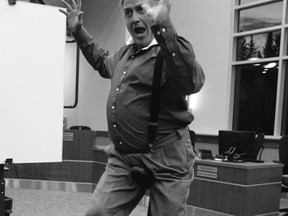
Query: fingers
<point x="64" y="12"/>
<point x="80" y="15"/>
<point x="166" y="3"/>
<point x="73" y="4"/>
<point x="146" y="7"/>
<point x="67" y="5"/>
<point x="79" y="4"/>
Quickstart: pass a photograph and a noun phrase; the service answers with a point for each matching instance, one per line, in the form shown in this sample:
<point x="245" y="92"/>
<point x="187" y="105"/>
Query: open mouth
<point x="139" y="30"/>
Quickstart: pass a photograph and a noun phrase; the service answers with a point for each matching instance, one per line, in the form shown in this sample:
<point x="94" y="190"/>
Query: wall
<point x="206" y="24"/>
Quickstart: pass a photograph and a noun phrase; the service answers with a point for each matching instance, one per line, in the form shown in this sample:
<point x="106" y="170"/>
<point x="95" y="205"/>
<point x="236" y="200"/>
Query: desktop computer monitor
<point x="243" y="141"/>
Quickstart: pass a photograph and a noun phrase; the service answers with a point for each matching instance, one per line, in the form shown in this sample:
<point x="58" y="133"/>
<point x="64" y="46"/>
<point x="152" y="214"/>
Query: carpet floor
<point x="31" y="202"/>
<point x="28" y="202"/>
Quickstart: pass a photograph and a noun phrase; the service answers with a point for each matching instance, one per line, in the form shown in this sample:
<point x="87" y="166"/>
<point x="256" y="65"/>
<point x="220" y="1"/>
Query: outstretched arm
<point x="180" y="60"/>
<point x="92" y="52"/>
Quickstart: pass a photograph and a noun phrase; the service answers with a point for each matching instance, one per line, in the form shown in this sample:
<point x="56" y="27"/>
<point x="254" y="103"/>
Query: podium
<point x="242" y="189"/>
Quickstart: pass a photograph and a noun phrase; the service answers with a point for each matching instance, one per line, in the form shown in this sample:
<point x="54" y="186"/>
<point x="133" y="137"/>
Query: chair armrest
<point x="277" y="161"/>
<point x="285" y="180"/>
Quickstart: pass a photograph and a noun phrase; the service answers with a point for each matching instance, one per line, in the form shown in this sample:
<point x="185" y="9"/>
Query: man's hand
<point x="159" y="10"/>
<point x="74" y="14"/>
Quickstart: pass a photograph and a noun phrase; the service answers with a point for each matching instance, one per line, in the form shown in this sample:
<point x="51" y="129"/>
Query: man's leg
<point x="173" y="173"/>
<point x="116" y="193"/>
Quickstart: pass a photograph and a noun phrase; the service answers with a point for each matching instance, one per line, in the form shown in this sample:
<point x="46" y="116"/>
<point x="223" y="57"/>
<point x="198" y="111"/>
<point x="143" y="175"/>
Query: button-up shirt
<point x="131" y="73"/>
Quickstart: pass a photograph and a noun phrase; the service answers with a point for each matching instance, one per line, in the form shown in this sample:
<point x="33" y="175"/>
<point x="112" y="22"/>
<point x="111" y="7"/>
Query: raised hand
<point x="159" y="10"/>
<point x="74" y="14"/>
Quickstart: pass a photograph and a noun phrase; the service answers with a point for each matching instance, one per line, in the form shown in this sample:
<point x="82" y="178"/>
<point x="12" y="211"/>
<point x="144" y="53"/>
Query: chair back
<point x="79" y="127"/>
<point x="193" y="139"/>
<point x="283" y="153"/>
<point x="259" y="144"/>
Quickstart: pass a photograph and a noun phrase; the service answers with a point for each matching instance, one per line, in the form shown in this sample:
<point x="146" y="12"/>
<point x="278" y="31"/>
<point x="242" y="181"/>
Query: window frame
<point x="281" y="105"/>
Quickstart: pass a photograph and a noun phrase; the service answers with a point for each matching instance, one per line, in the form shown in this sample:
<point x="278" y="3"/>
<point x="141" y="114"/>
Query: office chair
<point x="193" y="139"/>
<point x="9" y="164"/>
<point x="283" y="157"/>
<point x="259" y="144"/>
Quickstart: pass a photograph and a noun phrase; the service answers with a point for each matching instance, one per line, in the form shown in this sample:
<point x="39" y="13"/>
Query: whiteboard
<point x="32" y="48"/>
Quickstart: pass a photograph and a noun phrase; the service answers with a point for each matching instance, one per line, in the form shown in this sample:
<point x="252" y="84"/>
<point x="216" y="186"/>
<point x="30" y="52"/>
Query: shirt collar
<point x="131" y="41"/>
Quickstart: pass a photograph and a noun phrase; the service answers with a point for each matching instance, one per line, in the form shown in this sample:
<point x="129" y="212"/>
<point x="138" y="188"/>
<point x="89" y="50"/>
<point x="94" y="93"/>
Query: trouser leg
<point x="116" y="193"/>
<point x="173" y="173"/>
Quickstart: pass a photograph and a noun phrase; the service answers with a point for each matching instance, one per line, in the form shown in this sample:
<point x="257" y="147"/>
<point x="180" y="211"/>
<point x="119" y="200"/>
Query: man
<point x="170" y="158"/>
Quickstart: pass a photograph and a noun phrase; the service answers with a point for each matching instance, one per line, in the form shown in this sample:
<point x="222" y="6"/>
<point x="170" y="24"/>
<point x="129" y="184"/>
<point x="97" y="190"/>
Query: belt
<point x="176" y="135"/>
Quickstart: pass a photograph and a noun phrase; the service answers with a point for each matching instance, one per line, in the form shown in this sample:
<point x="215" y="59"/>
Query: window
<point x="247" y="1"/>
<point x="255" y="90"/>
<point x="260" y="66"/>
<point x="264" y="45"/>
<point x="260" y="17"/>
<point x="285" y="103"/>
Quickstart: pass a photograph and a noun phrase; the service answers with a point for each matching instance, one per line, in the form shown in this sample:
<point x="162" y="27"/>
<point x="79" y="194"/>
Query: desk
<point x="78" y="144"/>
<point x="241" y="189"/>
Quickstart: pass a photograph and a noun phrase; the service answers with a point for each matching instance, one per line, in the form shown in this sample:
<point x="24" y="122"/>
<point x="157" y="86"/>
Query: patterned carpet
<point x="27" y="202"/>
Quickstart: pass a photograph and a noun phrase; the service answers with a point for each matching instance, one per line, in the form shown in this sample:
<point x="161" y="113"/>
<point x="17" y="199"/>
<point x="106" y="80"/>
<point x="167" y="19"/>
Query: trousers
<point x="171" y="166"/>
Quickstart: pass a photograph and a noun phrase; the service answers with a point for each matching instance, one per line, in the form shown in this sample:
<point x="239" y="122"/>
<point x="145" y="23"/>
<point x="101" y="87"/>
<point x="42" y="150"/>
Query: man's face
<point x="137" y="22"/>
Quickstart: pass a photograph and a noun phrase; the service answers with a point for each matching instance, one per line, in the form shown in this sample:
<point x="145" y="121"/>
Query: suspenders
<point x="138" y="173"/>
<point x="154" y="106"/>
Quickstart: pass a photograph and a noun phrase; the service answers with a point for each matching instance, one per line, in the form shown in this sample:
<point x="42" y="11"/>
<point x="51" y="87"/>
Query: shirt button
<point x="114" y="125"/>
<point x="113" y="107"/>
<point x="124" y="72"/>
<point x="163" y="30"/>
<point x="158" y="32"/>
<point x="173" y="54"/>
<point x="117" y="89"/>
<point x="120" y="143"/>
<point x="132" y="56"/>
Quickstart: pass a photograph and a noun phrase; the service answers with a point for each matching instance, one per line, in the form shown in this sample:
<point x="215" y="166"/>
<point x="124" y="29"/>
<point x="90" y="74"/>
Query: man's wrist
<point x="76" y="29"/>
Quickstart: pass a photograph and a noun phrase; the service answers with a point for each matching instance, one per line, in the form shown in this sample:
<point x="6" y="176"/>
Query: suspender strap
<point x="154" y="106"/>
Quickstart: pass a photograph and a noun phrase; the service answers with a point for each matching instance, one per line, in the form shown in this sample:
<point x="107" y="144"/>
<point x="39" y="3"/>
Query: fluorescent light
<point x="253" y="59"/>
<point x="270" y="65"/>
